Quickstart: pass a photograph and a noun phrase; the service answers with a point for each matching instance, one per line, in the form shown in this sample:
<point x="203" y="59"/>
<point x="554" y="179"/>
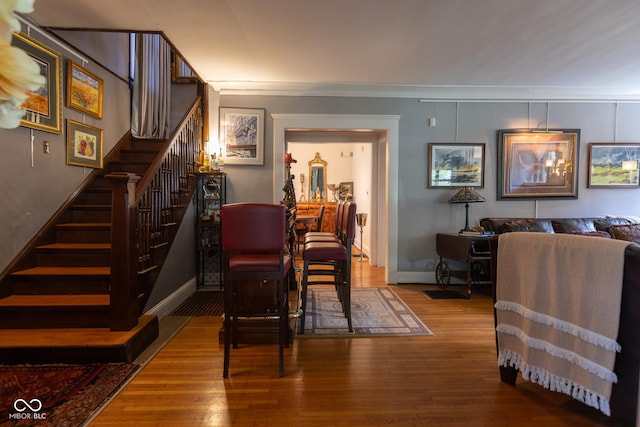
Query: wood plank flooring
<point x="449" y="379"/>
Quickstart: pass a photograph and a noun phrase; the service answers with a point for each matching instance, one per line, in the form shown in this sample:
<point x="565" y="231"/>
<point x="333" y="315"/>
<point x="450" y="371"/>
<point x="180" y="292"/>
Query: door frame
<point x="386" y="200"/>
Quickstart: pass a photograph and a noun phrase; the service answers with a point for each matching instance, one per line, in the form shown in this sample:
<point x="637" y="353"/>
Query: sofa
<point x="619" y="227"/>
<point x="625" y="395"/>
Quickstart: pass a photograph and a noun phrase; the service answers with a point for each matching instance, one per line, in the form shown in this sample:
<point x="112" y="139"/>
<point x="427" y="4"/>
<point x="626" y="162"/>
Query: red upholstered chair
<point x="331" y="258"/>
<point x="324" y="236"/>
<point x="254" y="252"/>
<point x="314" y="228"/>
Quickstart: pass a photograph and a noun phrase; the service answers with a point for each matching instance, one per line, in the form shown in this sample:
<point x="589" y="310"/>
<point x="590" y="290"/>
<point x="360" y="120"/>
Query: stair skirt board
<point x="41" y="346"/>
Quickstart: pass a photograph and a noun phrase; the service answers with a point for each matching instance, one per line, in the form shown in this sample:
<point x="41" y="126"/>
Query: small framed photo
<point x="242" y="135"/>
<point x="84" y="90"/>
<point x="456" y="165"/>
<point x="536" y="164"/>
<point x="44" y="106"/>
<point x="84" y="145"/>
<point x="613" y="165"/>
<point x="346" y="191"/>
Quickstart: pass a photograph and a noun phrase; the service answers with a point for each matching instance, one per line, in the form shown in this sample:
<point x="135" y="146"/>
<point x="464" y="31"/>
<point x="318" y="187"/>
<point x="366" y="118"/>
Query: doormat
<point x="445" y="294"/>
<point x="58" y="395"/>
<point x="202" y="303"/>
<point x="374" y="312"/>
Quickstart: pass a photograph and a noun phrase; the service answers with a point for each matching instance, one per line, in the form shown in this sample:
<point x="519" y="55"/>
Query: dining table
<point x="306" y="220"/>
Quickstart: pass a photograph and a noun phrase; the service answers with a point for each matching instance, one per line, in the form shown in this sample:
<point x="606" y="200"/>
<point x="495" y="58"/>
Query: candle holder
<point x="302" y="198"/>
<point x="334" y="190"/>
<point x="361" y="219"/>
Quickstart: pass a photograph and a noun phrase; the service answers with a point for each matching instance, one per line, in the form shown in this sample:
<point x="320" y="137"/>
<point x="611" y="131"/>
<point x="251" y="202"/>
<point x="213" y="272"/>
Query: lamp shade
<point x="466" y="195"/>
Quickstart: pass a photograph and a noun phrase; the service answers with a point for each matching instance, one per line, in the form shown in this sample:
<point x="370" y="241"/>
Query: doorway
<point x="384" y="243"/>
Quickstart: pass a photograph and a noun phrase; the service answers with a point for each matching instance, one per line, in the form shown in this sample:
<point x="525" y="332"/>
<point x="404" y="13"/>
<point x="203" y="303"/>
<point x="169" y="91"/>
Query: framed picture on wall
<point x="43" y="107"/>
<point x="536" y="164"/>
<point x="242" y="135"/>
<point x="84" y="145"/>
<point x="613" y="165"/>
<point x="84" y="90"/>
<point x="456" y="165"/>
<point x="345" y="191"/>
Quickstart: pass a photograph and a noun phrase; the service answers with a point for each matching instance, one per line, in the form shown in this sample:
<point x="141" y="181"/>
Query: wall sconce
<point x="466" y="195"/>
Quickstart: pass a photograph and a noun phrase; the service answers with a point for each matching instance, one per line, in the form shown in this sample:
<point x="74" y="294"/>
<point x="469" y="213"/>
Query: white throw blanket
<point x="558" y="308"/>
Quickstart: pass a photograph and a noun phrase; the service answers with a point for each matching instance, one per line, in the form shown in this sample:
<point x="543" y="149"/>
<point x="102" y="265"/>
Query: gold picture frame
<point x="84" y="90"/>
<point x="44" y="106"/>
<point x="84" y="145"/>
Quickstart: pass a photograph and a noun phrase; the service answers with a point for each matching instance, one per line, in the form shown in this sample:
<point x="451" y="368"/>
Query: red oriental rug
<point x="60" y="395"/>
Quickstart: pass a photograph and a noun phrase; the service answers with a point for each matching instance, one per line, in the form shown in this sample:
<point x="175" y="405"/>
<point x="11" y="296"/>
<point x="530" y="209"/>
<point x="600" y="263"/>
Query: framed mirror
<point x="317" y="179"/>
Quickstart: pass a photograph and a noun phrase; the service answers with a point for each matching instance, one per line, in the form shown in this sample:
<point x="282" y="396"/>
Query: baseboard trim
<point x="423" y="277"/>
<point x="173" y="301"/>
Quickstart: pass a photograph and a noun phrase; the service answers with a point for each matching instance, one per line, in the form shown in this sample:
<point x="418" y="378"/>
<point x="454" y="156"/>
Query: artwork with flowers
<point x="84" y="90"/>
<point x="84" y="145"/>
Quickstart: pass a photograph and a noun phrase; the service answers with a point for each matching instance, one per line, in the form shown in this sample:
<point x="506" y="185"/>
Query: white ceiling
<point x="435" y="49"/>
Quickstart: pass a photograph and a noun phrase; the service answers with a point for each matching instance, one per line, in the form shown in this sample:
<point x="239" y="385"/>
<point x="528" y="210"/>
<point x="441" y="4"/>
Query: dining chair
<point x="313" y="228"/>
<point x="254" y="252"/>
<point x="320" y="235"/>
<point x="333" y="259"/>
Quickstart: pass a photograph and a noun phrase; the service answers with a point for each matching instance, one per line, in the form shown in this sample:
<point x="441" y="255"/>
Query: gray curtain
<point x="150" y="112"/>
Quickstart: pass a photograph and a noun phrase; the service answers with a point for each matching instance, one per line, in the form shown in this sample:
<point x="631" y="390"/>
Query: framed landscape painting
<point x="84" y="90"/>
<point x="43" y="107"/>
<point x="536" y="164"/>
<point x="242" y="135"/>
<point x="613" y="165"/>
<point x="456" y="165"/>
<point x="84" y="145"/>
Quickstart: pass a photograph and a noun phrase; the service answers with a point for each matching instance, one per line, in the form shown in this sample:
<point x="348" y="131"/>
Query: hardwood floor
<point x="449" y="379"/>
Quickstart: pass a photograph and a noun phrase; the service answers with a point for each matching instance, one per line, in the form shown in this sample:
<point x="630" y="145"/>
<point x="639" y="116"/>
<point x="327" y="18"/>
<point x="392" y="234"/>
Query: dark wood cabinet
<point x="211" y="194"/>
<point x="312" y="208"/>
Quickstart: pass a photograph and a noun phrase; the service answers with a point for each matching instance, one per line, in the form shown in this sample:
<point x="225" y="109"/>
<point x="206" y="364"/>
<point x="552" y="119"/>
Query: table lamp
<point x="466" y="195"/>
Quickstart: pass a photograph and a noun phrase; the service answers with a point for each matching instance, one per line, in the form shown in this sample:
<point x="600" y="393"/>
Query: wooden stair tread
<point x="84" y="225"/>
<point x="68" y="271"/>
<point x="54" y="300"/>
<point x="76" y="246"/>
<point x="81" y="337"/>
<point x="90" y="206"/>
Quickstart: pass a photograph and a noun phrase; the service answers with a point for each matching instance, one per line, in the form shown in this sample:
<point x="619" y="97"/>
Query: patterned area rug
<point x="57" y="395"/>
<point x="202" y="303"/>
<point x="374" y="312"/>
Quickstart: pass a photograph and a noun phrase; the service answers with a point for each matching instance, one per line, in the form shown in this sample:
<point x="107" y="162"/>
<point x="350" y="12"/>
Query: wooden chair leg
<point x="283" y="333"/>
<point x="227" y="329"/>
<point x="346" y="289"/>
<point x="303" y="294"/>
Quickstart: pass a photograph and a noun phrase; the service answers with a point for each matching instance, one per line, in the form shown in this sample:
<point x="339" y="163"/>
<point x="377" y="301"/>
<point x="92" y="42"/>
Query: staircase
<point x="61" y="300"/>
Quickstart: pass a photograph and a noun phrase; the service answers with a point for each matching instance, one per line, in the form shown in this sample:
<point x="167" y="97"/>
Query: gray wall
<point x="32" y="193"/>
<point x="423" y="212"/>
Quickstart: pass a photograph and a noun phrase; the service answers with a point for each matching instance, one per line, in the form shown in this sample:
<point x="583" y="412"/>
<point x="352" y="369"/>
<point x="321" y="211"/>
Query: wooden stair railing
<point x="145" y="217"/>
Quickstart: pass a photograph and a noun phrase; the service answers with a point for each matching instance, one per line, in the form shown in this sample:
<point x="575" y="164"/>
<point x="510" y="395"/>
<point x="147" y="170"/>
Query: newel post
<point x="123" y="311"/>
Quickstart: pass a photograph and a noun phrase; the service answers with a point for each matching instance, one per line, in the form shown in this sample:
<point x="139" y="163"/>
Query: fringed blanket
<point x="558" y="308"/>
